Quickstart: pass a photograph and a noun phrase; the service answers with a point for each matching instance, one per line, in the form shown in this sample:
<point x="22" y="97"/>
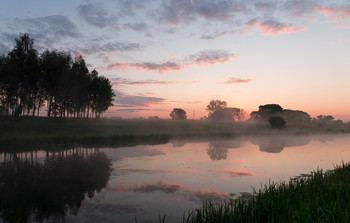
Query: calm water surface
<point x="143" y="182"/>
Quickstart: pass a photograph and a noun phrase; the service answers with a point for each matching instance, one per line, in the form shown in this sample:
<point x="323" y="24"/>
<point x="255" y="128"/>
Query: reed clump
<point x="319" y="197"/>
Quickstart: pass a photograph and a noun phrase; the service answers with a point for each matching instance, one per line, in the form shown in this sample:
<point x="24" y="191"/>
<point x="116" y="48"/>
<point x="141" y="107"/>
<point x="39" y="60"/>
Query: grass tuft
<point x="319" y="197"/>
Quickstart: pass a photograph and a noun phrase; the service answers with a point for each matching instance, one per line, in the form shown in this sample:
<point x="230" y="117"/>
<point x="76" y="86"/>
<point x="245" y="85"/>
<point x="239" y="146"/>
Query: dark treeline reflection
<point x="276" y="143"/>
<point x="34" y="189"/>
<point x="218" y="149"/>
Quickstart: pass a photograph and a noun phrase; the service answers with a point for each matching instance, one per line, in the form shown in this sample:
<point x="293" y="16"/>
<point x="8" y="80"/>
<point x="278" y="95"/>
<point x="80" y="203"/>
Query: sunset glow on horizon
<point x="165" y="54"/>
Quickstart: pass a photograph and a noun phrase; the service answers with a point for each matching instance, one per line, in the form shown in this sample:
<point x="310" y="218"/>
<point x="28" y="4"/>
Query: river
<point x="144" y="182"/>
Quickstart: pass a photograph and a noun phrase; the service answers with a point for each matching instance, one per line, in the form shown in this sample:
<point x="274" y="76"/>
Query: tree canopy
<point x="290" y="116"/>
<point x="178" y="113"/>
<point x="29" y="81"/>
<point x="215" y="105"/>
<point x="277" y="122"/>
<point x="228" y="114"/>
<point x="219" y="111"/>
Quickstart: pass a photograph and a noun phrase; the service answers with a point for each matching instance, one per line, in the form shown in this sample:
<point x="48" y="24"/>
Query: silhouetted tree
<point x="323" y="120"/>
<point x="290" y="116"/>
<point x="21" y="78"/>
<point x="56" y="67"/>
<point x="228" y="114"/>
<point x="27" y="80"/>
<point x="102" y="95"/>
<point x="255" y="116"/>
<point x="268" y="110"/>
<point x="215" y="105"/>
<point x="178" y="113"/>
<point x="265" y="112"/>
<point x="277" y="122"/>
<point x="294" y="116"/>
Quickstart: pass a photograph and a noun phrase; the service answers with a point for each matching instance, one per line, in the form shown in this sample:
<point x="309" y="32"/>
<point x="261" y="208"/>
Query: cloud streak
<point x="233" y="80"/>
<point x="95" y="15"/>
<point x="207" y="57"/>
<point x="131" y="101"/>
<point x="94" y="47"/>
<point x="234" y="173"/>
<point x="175" y="12"/>
<point x="338" y="12"/>
<point x="122" y="81"/>
<point x="168" y="188"/>
<point x="159" y="67"/>
<point x="272" y="27"/>
<point x="154" y="171"/>
<point x="48" y="29"/>
<point x="139" y="27"/>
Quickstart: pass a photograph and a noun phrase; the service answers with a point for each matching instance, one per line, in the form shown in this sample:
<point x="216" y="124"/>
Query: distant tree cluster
<point x="29" y="81"/>
<point x="178" y="113"/>
<point x="324" y="120"/>
<point x="219" y="111"/>
<point x="273" y="114"/>
<point x="267" y="111"/>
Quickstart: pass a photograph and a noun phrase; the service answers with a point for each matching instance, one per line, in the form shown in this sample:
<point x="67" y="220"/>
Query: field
<point x="29" y="131"/>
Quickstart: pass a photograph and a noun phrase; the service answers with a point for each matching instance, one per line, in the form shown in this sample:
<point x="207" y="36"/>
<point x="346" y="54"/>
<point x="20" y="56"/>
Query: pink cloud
<point x="329" y="11"/>
<point x="339" y="13"/>
<point x="168" y="188"/>
<point x="160" y="67"/>
<point x="155" y="171"/>
<point x="271" y="27"/>
<point x="234" y="173"/>
<point x="233" y="80"/>
<point x="116" y="65"/>
<point x="148" y="82"/>
<point x="208" y="57"/>
<point x="159" y="186"/>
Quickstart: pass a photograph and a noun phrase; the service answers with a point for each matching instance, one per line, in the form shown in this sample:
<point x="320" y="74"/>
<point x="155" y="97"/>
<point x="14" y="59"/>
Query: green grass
<point x="320" y="197"/>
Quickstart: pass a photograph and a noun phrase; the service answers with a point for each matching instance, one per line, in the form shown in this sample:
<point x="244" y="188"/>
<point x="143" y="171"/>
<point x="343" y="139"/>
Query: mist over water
<point x="117" y="185"/>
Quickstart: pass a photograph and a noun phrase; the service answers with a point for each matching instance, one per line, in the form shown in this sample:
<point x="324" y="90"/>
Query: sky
<point x="165" y="54"/>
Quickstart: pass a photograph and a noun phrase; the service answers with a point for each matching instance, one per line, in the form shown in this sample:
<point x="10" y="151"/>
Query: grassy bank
<point x="47" y="131"/>
<point x="320" y="197"/>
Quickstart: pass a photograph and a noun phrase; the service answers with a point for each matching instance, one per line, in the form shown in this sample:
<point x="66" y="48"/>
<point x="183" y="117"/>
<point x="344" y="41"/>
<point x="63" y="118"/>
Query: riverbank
<point x="319" y="197"/>
<point x="29" y="131"/>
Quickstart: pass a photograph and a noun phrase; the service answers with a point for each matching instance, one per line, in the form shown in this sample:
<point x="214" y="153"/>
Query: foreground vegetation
<point x="320" y="197"/>
<point x="114" y="132"/>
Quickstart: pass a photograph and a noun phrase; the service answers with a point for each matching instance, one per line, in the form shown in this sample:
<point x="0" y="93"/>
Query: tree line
<point x="217" y="110"/>
<point x="274" y="114"/>
<point x="30" y="81"/>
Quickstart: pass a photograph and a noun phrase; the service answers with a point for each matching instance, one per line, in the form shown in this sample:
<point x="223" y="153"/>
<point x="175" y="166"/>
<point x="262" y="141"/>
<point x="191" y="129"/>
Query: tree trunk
<point x="50" y="104"/>
<point x="34" y="110"/>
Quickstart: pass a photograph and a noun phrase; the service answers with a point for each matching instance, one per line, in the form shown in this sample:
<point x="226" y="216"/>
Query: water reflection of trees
<point x="276" y="143"/>
<point x="218" y="149"/>
<point x="48" y="189"/>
